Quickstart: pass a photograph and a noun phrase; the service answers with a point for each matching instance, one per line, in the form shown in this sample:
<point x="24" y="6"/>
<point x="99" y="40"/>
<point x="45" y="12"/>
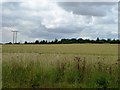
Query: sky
<point x="49" y="20"/>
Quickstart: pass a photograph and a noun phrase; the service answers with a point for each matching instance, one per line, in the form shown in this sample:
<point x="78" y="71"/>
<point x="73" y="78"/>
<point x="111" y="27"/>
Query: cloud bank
<point x="50" y="20"/>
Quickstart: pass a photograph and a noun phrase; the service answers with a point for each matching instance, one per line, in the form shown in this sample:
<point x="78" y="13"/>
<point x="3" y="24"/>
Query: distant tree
<point x="25" y="42"/>
<point x="80" y="40"/>
<point x="92" y="41"/>
<point x="56" y="41"/>
<point x="65" y="41"/>
<point x="52" y="42"/>
<point x="10" y="43"/>
<point x="118" y="41"/>
<point x="102" y="41"/>
<point x="86" y="41"/>
<point x="113" y="41"/>
<point x="37" y="42"/>
<point x="43" y="42"/>
<point x="97" y="40"/>
<point x="108" y="40"/>
<point x="74" y="40"/>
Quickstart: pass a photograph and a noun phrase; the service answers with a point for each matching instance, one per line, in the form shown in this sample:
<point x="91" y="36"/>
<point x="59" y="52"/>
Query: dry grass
<point x="82" y="49"/>
<point x="39" y="66"/>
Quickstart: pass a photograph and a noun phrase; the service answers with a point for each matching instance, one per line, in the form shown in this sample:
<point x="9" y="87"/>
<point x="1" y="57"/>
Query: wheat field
<point x="60" y="66"/>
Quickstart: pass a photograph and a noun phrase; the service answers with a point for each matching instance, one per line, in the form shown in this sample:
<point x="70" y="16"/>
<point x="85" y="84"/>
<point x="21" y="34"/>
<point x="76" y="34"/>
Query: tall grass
<point x="35" y="70"/>
<point x="65" y="66"/>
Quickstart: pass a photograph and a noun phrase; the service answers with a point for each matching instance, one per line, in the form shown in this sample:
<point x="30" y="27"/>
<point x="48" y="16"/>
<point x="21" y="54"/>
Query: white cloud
<point x="47" y="20"/>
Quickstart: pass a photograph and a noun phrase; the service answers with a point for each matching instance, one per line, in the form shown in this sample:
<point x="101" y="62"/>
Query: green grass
<point x="60" y="66"/>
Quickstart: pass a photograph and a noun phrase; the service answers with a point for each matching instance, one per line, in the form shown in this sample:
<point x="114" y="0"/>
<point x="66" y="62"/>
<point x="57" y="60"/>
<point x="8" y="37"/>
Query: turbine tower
<point x="14" y="36"/>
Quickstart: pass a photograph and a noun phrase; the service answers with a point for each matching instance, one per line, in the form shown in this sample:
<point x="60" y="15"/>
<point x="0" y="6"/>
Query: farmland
<point x="60" y="66"/>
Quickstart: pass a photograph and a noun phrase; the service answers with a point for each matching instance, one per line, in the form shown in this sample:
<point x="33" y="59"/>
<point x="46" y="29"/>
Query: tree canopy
<point x="75" y="41"/>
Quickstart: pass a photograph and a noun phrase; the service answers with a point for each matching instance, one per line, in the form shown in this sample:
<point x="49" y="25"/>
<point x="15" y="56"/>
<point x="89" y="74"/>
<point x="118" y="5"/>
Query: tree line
<point x="76" y="41"/>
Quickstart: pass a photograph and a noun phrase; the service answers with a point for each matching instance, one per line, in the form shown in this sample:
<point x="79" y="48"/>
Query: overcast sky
<point x="50" y="20"/>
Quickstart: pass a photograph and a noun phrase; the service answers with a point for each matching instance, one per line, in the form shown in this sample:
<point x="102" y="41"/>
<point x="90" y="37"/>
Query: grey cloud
<point x="87" y="8"/>
<point x="94" y="32"/>
<point x="17" y="17"/>
<point x="30" y="25"/>
<point x="67" y="30"/>
<point x="11" y="5"/>
<point x="43" y="32"/>
<point x="14" y="15"/>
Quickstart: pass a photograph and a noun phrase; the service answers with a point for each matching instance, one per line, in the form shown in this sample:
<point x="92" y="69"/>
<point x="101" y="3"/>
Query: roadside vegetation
<point x="60" y="66"/>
